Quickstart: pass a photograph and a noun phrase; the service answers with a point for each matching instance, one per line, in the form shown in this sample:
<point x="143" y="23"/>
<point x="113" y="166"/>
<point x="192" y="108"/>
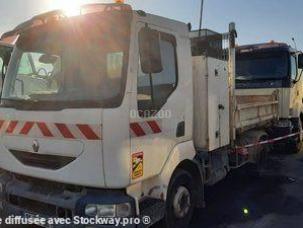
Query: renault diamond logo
<point x="36" y="146"/>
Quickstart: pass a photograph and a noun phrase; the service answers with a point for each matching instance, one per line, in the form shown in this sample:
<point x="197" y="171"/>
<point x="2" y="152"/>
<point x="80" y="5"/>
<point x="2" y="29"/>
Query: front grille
<point x="52" y="162"/>
<point x="37" y="207"/>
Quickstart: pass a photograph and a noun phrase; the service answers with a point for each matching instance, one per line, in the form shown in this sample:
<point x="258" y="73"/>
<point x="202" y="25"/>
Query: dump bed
<point x="253" y="107"/>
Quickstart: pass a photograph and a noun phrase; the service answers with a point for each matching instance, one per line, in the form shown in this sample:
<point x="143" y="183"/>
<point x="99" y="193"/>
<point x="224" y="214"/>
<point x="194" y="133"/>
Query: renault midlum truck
<point x="109" y="114"/>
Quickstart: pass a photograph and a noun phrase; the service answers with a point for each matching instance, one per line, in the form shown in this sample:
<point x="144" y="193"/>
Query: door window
<point x="293" y="66"/>
<point x="155" y="89"/>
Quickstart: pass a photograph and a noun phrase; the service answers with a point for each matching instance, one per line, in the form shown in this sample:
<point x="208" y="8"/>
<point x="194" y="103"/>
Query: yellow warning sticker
<point x="137" y="165"/>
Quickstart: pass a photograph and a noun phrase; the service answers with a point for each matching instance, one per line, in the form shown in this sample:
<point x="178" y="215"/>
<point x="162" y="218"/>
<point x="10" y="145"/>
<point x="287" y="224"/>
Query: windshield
<point x="262" y="66"/>
<point x="80" y="61"/>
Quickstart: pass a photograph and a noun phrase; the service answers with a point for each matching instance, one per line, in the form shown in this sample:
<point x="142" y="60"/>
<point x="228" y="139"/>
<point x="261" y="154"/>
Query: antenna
<point x="201" y="17"/>
<point x="295" y="43"/>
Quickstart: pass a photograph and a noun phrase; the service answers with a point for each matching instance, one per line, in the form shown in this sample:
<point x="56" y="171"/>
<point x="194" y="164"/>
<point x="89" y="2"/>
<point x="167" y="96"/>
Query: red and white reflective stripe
<point x="139" y="129"/>
<point x="50" y="130"/>
<point x="270" y="141"/>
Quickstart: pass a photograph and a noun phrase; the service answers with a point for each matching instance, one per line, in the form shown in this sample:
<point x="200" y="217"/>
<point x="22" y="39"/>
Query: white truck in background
<point x="109" y="114"/>
<point x="272" y="69"/>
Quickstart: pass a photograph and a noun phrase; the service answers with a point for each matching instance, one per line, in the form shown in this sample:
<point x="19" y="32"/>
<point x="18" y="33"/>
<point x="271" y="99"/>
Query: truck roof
<point x="40" y="19"/>
<point x="271" y="46"/>
<point x="170" y="24"/>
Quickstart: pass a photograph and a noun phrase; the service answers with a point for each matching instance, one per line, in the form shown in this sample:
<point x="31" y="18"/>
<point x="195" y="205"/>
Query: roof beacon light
<point x="119" y="1"/>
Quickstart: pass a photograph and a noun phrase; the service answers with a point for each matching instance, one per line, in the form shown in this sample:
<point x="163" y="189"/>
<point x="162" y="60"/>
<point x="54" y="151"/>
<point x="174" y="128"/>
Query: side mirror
<point x="150" y="54"/>
<point x="300" y="61"/>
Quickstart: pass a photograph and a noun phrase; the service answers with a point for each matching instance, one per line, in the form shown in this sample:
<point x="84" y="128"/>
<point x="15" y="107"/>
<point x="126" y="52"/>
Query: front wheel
<point x="180" y="202"/>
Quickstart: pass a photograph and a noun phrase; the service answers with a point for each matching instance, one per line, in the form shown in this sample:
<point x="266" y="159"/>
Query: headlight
<point x="106" y="211"/>
<point x="91" y="210"/>
<point x="120" y="210"/>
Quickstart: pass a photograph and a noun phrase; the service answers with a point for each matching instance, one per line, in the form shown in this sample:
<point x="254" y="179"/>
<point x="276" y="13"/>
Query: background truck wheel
<point x="180" y="203"/>
<point x="294" y="145"/>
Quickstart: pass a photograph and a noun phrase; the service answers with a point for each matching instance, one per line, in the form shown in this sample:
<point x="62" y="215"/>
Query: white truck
<point x="109" y="114"/>
<point x="272" y="68"/>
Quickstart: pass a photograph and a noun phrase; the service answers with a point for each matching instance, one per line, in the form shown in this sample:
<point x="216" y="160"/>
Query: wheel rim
<point x="181" y="203"/>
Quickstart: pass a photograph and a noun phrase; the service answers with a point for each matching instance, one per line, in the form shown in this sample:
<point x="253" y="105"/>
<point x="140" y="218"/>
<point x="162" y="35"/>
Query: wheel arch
<point x="157" y="187"/>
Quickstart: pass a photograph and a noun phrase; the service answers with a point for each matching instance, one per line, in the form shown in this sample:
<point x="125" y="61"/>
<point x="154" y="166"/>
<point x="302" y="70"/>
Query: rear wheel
<point x="260" y="155"/>
<point x="295" y="144"/>
<point x="180" y="201"/>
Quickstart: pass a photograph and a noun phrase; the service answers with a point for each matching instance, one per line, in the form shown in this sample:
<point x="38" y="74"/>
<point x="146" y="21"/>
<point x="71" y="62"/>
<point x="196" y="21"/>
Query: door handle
<point x="180" y="129"/>
<point x="221" y="107"/>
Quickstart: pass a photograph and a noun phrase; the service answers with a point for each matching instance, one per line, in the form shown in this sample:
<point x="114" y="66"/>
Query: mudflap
<point x="153" y="209"/>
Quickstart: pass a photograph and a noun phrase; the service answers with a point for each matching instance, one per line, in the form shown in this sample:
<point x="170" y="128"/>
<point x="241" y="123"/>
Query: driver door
<point x="157" y="121"/>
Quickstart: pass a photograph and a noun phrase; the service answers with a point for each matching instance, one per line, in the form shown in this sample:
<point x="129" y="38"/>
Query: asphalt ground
<point x="272" y="197"/>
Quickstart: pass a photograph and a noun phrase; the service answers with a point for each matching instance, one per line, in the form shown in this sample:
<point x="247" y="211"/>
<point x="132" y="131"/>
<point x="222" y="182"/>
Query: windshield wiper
<point x="244" y="77"/>
<point x="19" y="99"/>
<point x="259" y="78"/>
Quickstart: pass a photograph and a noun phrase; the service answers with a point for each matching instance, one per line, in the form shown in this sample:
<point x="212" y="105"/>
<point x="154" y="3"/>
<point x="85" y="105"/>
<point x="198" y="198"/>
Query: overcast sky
<point x="257" y="20"/>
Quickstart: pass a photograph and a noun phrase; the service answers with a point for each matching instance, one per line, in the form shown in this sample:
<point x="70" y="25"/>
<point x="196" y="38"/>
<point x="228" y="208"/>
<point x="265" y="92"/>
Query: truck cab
<point x="88" y="123"/>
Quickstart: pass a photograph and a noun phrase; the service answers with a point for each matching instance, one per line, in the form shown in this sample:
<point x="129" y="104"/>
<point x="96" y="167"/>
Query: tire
<point x="294" y="146"/>
<point x="180" y="194"/>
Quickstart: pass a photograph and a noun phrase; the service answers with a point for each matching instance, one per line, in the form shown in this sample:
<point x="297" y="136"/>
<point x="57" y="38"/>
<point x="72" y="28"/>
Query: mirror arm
<point x="2" y="79"/>
<point x="3" y="73"/>
<point x="31" y="61"/>
<point x="152" y="89"/>
<point x="299" y="76"/>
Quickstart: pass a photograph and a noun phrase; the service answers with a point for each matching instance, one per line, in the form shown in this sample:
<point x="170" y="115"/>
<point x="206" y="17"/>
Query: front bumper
<point x="37" y="198"/>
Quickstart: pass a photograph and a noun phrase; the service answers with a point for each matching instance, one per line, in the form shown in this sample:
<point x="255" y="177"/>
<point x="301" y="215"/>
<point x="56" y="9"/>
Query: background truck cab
<point x="272" y="67"/>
